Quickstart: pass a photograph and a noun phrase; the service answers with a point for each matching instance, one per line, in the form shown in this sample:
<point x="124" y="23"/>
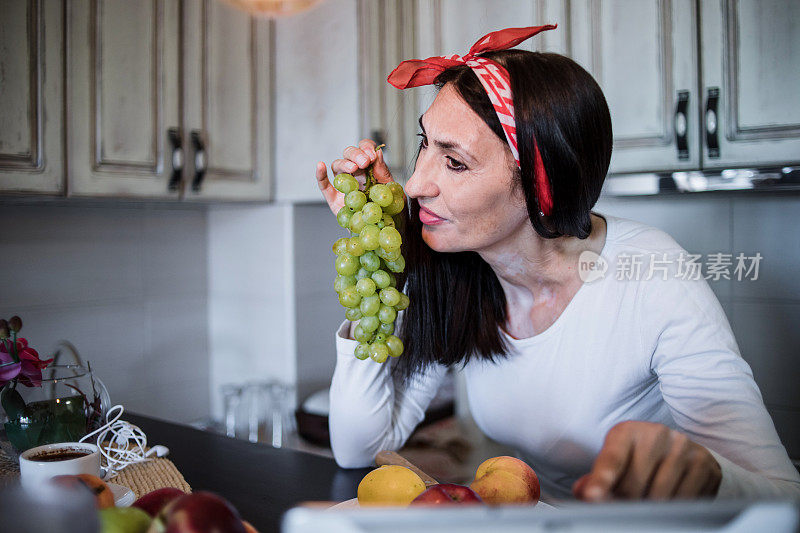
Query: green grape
<point x="342" y="282"/>
<point x="389" y="296"/>
<point x="394" y="255"/>
<point x="378" y="352"/>
<point x="386" y="314"/>
<point x="366" y="287"/>
<point x="370" y="237"/>
<point x="370" y="305"/>
<point x="381" y="194"/>
<point x="355" y="200"/>
<point x="381" y="279"/>
<point x="370" y="323"/>
<point x="360" y="334"/>
<point x="395" y="346"/>
<point x="397" y="205"/>
<point x="386" y="329"/>
<point x="353" y="314"/>
<point x="345" y="183"/>
<point x="396" y="266"/>
<point x="346" y="264"/>
<point x="403" y="303"/>
<point x="392" y="280"/>
<point x="354" y="247"/>
<point x="370" y="261"/>
<point x="380" y="337"/>
<point x="371" y="213"/>
<point x="357" y="222"/>
<point x="349" y="297"/>
<point x="340" y="246"/>
<point x="388" y="221"/>
<point x="389" y="239"/>
<point x="397" y="189"/>
<point x="343" y="217"/>
<point x="362" y="351"/>
<point x="362" y="273"/>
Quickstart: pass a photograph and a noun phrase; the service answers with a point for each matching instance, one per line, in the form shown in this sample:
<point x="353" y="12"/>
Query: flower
<point x="28" y="370"/>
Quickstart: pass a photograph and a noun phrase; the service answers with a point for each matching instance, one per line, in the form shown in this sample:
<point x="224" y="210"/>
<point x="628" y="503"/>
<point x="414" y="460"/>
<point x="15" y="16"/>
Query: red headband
<point x="497" y="84"/>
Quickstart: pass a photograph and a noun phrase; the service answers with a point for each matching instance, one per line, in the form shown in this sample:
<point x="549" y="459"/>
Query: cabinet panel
<point x="31" y="102"/>
<point x="644" y="56"/>
<point x="123" y="94"/>
<point x="751" y="59"/>
<point x="227" y="97"/>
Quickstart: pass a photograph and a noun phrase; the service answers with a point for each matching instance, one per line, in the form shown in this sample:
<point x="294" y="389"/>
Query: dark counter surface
<point x="260" y="481"/>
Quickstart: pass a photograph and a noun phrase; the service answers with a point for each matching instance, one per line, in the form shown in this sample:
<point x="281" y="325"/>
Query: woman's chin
<point x="438" y="242"/>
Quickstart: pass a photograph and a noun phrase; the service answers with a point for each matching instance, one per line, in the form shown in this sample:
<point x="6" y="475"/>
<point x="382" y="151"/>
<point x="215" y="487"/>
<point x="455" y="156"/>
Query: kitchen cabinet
<point x="643" y="53"/>
<point x="751" y="75"/>
<point x="162" y="107"/>
<point x="31" y="96"/>
<point x="227" y="95"/>
<point x="122" y="84"/>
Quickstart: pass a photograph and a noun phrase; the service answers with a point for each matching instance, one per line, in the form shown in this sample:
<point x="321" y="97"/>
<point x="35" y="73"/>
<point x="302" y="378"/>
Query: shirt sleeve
<point x="368" y="411"/>
<point x="710" y="390"/>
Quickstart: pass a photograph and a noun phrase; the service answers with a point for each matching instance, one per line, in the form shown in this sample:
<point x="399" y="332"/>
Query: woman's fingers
<point x="649" y="449"/>
<point x="610" y="465"/>
<point x="672" y="469"/>
<point x="702" y="477"/>
<point x="334" y="198"/>
<point x="381" y="169"/>
<point x="358" y="156"/>
<point x="344" y="165"/>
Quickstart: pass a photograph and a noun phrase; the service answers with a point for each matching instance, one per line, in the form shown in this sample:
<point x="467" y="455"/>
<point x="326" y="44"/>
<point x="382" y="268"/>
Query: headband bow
<point x="495" y="81"/>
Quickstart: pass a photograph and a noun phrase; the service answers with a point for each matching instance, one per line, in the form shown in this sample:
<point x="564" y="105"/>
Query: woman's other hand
<point x="644" y="460"/>
<point x="355" y="161"/>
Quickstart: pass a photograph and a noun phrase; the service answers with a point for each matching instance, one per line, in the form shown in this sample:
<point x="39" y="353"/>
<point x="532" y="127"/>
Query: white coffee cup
<point x="40" y="464"/>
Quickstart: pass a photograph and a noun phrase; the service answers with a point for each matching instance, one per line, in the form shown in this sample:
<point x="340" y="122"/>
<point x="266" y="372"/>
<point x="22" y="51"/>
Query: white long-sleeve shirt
<point x="658" y="350"/>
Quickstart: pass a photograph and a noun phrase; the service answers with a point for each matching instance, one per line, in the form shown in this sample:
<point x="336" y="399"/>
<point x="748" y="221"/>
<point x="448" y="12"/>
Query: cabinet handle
<point x="199" y="142"/>
<point x="176" y="140"/>
<point x="712" y="122"/>
<point x="681" y="125"/>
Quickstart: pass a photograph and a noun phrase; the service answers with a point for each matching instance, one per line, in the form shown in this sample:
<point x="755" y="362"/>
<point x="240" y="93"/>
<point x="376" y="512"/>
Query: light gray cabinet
<point x="122" y="85"/>
<point x="226" y="102"/>
<point x="643" y="53"/>
<point x="31" y="96"/>
<point x="751" y="82"/>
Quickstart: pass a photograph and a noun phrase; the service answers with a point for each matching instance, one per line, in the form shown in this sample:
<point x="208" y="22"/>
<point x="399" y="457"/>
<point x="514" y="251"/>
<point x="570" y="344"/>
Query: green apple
<point x="124" y="520"/>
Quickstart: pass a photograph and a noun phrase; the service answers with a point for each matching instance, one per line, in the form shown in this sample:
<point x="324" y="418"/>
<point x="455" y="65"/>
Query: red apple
<point x="447" y="494"/>
<point x="200" y="512"/>
<point x="154" y="501"/>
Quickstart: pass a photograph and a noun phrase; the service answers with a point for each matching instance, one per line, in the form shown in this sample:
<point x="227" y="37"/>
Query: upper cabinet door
<point x="227" y="92"/>
<point x="751" y="82"/>
<point x="31" y="96"/>
<point x="123" y="73"/>
<point x="643" y="53"/>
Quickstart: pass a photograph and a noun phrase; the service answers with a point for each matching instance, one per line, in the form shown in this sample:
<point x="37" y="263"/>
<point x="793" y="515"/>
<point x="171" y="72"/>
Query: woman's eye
<point x="455" y="164"/>
<point x="423" y="140"/>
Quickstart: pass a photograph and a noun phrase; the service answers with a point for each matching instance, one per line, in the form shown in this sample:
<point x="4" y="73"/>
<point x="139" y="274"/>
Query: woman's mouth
<point x="429" y="218"/>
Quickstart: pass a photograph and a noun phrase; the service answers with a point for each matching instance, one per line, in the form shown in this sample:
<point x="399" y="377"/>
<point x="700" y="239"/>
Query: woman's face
<point x="463" y="180"/>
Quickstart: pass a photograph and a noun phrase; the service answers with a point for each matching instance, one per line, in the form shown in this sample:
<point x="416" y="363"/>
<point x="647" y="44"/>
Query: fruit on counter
<point x="154" y="501"/>
<point x="366" y="260"/>
<point x="103" y="496"/>
<point x="447" y="494"/>
<point x="124" y="520"/>
<point x="390" y="485"/>
<point x="505" y="479"/>
<point x="199" y="512"/>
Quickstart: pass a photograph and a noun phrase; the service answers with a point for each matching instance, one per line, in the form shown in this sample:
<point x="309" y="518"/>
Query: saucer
<point x="123" y="496"/>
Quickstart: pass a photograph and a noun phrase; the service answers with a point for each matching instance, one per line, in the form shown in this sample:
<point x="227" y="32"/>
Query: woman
<point x="621" y="387"/>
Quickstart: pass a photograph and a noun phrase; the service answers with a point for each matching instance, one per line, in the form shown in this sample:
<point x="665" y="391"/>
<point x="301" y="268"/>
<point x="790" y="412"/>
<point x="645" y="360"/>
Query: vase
<point x="71" y="403"/>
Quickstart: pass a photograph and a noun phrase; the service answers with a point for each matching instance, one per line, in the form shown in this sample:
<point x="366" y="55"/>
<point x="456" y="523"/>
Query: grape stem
<point x="370" y="181"/>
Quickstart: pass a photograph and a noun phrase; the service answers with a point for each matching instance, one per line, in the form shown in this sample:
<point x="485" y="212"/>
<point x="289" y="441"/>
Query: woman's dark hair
<point x="457" y="303"/>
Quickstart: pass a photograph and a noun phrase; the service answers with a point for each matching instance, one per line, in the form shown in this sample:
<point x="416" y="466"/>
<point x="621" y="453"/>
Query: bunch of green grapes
<point x="367" y="261"/>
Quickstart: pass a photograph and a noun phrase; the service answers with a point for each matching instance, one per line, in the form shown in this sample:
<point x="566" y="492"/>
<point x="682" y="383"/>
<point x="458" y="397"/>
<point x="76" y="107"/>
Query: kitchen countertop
<point x="262" y="482"/>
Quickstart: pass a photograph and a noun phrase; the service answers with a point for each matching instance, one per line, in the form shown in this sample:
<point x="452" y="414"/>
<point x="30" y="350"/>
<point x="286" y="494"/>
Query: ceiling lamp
<point x="273" y="8"/>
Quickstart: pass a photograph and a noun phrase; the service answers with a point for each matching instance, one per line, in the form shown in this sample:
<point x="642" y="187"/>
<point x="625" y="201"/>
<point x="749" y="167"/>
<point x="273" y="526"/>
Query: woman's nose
<point x="422" y="183"/>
